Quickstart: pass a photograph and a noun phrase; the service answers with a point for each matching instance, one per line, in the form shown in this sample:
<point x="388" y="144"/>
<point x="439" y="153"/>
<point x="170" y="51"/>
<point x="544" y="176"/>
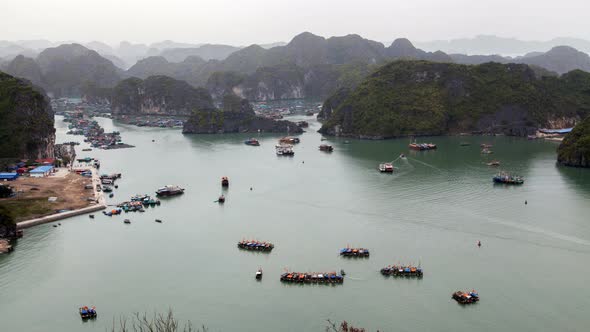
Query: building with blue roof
<point x="8" y="176"/>
<point x="41" y="171"/>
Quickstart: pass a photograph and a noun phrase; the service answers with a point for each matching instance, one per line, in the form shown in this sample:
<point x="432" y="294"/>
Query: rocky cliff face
<point x="26" y="120"/>
<point x="237" y="116"/>
<point x="574" y="150"/>
<point x="158" y="95"/>
<point x="406" y="98"/>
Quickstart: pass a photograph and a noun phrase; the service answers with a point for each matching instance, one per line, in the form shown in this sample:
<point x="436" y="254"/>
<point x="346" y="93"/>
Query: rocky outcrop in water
<point x="158" y="95"/>
<point x="574" y="150"/>
<point x="412" y="98"/>
<point x="26" y="120"/>
<point x="236" y="116"/>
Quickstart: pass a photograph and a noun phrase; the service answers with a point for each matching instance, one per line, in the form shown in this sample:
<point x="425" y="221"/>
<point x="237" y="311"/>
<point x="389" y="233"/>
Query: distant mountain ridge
<point x="309" y="66"/>
<point x="489" y="44"/>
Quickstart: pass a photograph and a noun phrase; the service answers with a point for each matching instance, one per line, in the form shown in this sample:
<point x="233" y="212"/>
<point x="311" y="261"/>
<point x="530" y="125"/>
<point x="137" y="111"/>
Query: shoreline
<point x="100" y="205"/>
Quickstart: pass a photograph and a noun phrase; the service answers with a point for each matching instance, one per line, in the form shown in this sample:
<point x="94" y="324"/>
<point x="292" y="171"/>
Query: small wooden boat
<point x="111" y="195"/>
<point x="466" y="297"/>
<point x="221" y="199"/>
<point x="486" y="151"/>
<point x="326" y="147"/>
<point x="127" y="221"/>
<point x="252" y="142"/>
<point x="91" y="216"/>
<point x="224" y="181"/>
<point x="87" y="313"/>
<point x="258" y="274"/>
<point x="464" y="144"/>
<point x="342" y="273"/>
<point x="386" y="168"/>
<point x="494" y="163"/>
<point x="158" y="220"/>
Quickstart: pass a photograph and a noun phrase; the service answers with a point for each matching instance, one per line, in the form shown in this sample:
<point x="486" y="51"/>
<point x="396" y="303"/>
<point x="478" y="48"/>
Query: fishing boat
<point x="507" y="178"/>
<point x="252" y="142"/>
<point x="354" y="252"/>
<point x="326" y="147"/>
<point x="284" y="150"/>
<point x="402" y="271"/>
<point x="169" y="190"/>
<point x="258" y="274"/>
<point x="254" y="245"/>
<point x="422" y="146"/>
<point x="87" y="313"/>
<point x="221" y="199"/>
<point x="289" y="140"/>
<point x="494" y="163"/>
<point x="224" y="181"/>
<point x="466" y="297"/>
<point x="312" y="278"/>
<point x="386" y="168"/>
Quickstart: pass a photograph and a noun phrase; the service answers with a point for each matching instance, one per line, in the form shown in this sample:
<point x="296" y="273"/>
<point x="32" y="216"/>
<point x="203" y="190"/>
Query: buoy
<point x="525" y="203"/>
<point x="250" y="188"/>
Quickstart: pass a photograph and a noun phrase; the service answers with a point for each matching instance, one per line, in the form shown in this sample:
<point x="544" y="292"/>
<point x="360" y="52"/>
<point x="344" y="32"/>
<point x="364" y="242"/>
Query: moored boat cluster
<point x="354" y="252"/>
<point x="255" y="245"/>
<point x="402" y="271"/>
<point x="312" y="278"/>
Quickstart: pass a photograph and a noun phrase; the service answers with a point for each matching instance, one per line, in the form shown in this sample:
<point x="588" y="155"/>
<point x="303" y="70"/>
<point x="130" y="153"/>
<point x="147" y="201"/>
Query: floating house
<point x="41" y="171"/>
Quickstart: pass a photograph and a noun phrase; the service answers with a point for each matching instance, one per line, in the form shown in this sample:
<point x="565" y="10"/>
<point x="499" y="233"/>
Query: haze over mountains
<point x="309" y="66"/>
<point x="489" y="44"/>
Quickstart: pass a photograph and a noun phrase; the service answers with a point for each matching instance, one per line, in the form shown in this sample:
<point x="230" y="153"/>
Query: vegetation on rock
<point x="26" y="120"/>
<point x="406" y="98"/>
<point x="574" y="150"/>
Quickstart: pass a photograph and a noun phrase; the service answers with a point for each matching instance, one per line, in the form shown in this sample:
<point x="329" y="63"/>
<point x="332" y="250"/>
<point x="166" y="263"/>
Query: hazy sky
<point x="243" y="22"/>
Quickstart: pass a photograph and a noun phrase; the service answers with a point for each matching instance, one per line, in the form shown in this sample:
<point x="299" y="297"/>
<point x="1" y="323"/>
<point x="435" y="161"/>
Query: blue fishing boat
<point x="506" y="178"/>
<point x="252" y="142"/>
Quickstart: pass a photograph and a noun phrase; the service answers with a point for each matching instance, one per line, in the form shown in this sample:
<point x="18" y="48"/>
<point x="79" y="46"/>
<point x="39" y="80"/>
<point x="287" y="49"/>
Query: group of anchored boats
<point x="285" y="145"/>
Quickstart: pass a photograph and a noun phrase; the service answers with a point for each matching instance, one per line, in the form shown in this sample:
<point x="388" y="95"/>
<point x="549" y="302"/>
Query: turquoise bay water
<point x="531" y="270"/>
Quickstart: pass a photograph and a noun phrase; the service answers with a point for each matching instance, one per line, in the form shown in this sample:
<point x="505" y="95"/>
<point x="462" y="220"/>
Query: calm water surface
<point x="531" y="271"/>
